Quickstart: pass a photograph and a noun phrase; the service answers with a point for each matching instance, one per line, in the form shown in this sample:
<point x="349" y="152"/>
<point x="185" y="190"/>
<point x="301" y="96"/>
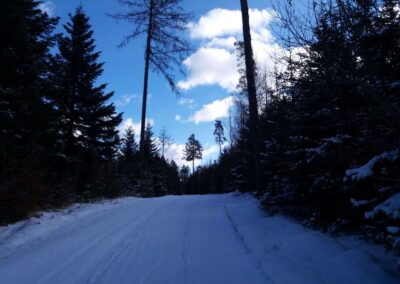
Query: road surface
<point x="192" y="239"/>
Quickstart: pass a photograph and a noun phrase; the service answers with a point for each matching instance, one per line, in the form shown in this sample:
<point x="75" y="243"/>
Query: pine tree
<point x="219" y="135"/>
<point x="88" y="122"/>
<point x="193" y="150"/>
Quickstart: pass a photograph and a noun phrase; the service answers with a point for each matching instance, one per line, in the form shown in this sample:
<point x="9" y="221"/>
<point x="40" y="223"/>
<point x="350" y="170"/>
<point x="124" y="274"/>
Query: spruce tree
<point x="27" y="130"/>
<point x="88" y="123"/>
<point x="173" y="178"/>
<point x="129" y="145"/>
<point x="150" y="144"/>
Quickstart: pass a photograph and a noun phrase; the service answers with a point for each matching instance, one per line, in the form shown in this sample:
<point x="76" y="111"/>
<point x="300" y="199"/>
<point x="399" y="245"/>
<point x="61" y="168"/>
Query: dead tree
<point x="162" y="22"/>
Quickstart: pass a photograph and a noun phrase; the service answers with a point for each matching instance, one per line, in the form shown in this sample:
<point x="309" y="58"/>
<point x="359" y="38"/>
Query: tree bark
<point x="252" y="92"/>
<point x="146" y="82"/>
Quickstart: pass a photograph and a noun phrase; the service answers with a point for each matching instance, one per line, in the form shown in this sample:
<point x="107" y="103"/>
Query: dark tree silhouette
<point x="87" y="121"/>
<point x="219" y="134"/>
<point x="252" y="92"/>
<point x="193" y="150"/>
<point x="27" y="124"/>
<point x="162" y="22"/>
<point x="129" y="145"/>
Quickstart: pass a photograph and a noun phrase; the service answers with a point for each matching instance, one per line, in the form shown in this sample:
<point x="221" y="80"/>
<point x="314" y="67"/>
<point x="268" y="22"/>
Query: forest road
<point x="209" y="239"/>
<point x="160" y="240"/>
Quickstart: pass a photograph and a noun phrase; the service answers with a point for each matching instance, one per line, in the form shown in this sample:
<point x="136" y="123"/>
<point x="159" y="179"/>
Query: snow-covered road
<point x="190" y="239"/>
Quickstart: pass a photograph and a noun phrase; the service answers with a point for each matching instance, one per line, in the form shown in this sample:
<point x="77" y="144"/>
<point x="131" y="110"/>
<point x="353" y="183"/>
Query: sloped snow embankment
<point x="291" y="253"/>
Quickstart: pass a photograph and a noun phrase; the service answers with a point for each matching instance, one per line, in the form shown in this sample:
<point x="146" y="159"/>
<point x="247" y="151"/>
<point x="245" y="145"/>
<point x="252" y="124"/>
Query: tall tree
<point x="162" y="22"/>
<point x="193" y="150"/>
<point x="26" y="36"/>
<point x="165" y="140"/>
<point x="219" y="134"/>
<point x="88" y="123"/>
<point x="251" y="91"/>
<point x="27" y="123"/>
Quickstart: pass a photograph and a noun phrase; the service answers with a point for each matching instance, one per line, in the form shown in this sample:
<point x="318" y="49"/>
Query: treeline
<point x="59" y="139"/>
<point x="329" y="121"/>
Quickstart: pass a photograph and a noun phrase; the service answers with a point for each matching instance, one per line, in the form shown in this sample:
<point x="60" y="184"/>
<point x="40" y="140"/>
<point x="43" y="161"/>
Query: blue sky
<point x="212" y="74"/>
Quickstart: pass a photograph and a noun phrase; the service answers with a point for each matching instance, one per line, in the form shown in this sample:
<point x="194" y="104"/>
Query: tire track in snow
<point x="244" y="245"/>
<point x="119" y="228"/>
<point x="137" y="233"/>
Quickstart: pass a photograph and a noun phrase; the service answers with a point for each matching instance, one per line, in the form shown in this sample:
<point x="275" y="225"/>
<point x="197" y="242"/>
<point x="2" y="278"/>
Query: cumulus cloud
<point x="211" y="66"/>
<point x="47" y="7"/>
<point x="214" y="63"/>
<point x="178" y="117"/>
<point x="226" y="43"/>
<point x="175" y="152"/>
<point x="215" y="110"/>
<point x="222" y="22"/>
<point x="211" y="150"/>
<point x="129" y="122"/>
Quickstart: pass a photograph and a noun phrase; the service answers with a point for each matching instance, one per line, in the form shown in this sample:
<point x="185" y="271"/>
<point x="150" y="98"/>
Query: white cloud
<point x="125" y="100"/>
<point x="211" y="151"/>
<point x="186" y="102"/>
<point x="226" y="43"/>
<point x="130" y="123"/>
<point x="175" y="152"/>
<point x="222" y="22"/>
<point x="178" y="117"/>
<point x="211" y="66"/>
<point x="210" y="112"/>
<point x="215" y="62"/>
<point x="183" y="101"/>
<point x="47" y="7"/>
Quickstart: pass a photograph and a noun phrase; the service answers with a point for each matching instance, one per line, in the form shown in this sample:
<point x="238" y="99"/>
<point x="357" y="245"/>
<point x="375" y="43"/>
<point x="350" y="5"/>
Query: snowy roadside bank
<point x="291" y="253"/>
<point x="34" y="229"/>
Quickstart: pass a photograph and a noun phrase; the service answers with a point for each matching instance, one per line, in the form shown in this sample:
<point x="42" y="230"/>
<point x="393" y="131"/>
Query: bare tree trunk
<point x="193" y="167"/>
<point x="230" y="127"/>
<point x="252" y="93"/>
<point x="146" y="82"/>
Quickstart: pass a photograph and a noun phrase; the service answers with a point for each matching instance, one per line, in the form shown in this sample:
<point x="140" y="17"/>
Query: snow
<point x="390" y="207"/>
<point x="360" y="203"/>
<point x="326" y="142"/>
<point x="393" y="230"/>
<point x="395" y="84"/>
<point x="190" y="239"/>
<point x="367" y="169"/>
